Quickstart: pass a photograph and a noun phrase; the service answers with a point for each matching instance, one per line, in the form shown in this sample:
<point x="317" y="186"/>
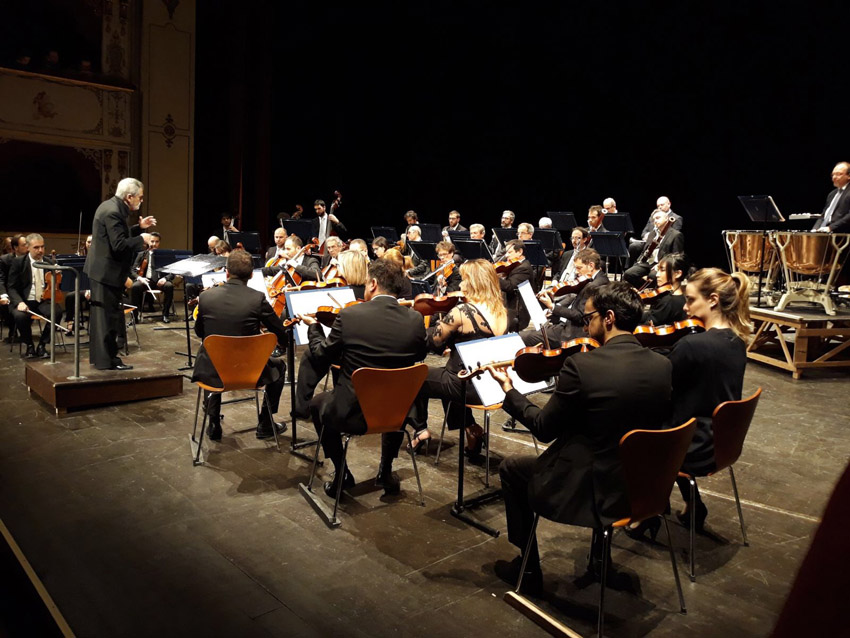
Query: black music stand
<point x="301" y="228"/>
<point x="249" y="241"/>
<point x="473" y="249"/>
<point x="163" y="257"/>
<point x="550" y="239"/>
<point x="454" y="235"/>
<point x="535" y="253"/>
<point x="194" y="266"/>
<point x="504" y="235"/>
<point x="387" y="232"/>
<point x="426" y="251"/>
<point x="431" y="233"/>
<point x="761" y="209"/>
<point x="421" y="286"/>
<point x="609" y="244"/>
<point x="565" y="221"/>
<point x="619" y="223"/>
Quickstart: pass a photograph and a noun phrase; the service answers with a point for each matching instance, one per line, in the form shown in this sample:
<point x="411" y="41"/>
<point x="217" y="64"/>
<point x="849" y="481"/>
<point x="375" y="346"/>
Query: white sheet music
<point x="213" y="278"/>
<point x="538" y="315"/>
<point x="302" y="302"/>
<point x="483" y="351"/>
<point x="258" y="283"/>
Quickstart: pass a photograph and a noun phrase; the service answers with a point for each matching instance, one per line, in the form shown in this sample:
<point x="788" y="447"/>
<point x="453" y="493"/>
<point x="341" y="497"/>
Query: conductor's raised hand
<point x="147" y="222"/>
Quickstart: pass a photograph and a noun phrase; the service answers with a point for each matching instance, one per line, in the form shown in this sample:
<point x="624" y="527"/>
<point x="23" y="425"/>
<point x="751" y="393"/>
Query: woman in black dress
<point x="708" y="367"/>
<point x="668" y="308"/>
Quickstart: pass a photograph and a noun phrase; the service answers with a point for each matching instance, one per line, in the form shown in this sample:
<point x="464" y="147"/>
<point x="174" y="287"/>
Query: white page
<point x="302" y="302"/>
<point x="483" y="351"/>
<point x="213" y="278"/>
<point x="538" y="315"/>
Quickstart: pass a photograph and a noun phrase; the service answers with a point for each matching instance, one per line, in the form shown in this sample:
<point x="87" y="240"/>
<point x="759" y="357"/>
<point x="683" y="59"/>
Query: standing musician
<point x="307" y="266"/>
<point x="836" y="214"/>
<point x="518" y="313"/>
<point x="236" y="310"/>
<point x="566" y="269"/>
<point x="708" y="367"/>
<point x="566" y="313"/>
<point x="27" y="293"/>
<point x="667" y="240"/>
<point x="482" y="315"/>
<point x="276" y="251"/>
<point x="108" y="264"/>
<point x="227" y="225"/>
<point x="451" y="283"/>
<point x="600" y="395"/>
<point x="325" y="224"/>
<point x="377" y="334"/>
<point x="668" y="308"/>
<point x="145" y="277"/>
<point x="419" y="266"/>
<point x="18" y="246"/>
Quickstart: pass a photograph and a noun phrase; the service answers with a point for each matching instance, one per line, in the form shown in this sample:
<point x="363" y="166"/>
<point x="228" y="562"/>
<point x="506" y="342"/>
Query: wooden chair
<point x="385" y="397"/>
<point x="730" y="424"/>
<point x="239" y="362"/>
<point x="650" y="459"/>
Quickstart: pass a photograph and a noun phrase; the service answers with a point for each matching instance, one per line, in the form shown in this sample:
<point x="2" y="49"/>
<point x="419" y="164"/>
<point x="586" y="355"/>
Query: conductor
<point x="114" y="243"/>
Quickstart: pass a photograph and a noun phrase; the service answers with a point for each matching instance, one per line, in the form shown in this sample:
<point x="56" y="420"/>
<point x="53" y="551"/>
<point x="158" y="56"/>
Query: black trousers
<point x="637" y="274"/>
<point x="556" y="332"/>
<point x="105" y="325"/>
<point x="273" y="391"/>
<point x="23" y="320"/>
<point x="310" y="372"/>
<point x="442" y="384"/>
<point x="516" y="473"/>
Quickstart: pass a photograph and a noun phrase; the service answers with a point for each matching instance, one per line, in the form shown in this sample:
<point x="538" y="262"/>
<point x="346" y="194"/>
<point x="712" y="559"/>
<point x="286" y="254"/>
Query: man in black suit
<point x="280" y="236"/>
<point x="377" y="334"/>
<point x="507" y="221"/>
<point x="636" y="245"/>
<point x="566" y="270"/>
<point x="836" y="214"/>
<point x="333" y="247"/>
<point x="565" y="313"/>
<point x="454" y="223"/>
<point x="236" y="310"/>
<point x="420" y="266"/>
<point x="518" y="315"/>
<point x="600" y="395"/>
<point x="25" y="289"/>
<point x="306" y="266"/>
<point x="18" y="244"/>
<point x="326" y="224"/>
<point x="150" y="279"/>
<point x="596" y="219"/>
<point x="114" y="243"/>
<point x="672" y="241"/>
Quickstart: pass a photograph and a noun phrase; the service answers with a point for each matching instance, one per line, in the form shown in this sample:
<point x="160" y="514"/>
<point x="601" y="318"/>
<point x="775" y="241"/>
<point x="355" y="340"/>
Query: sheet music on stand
<point x="504" y="234"/>
<point x="250" y="241"/>
<point x="455" y="235"/>
<point x="535" y="310"/>
<point x="549" y="238"/>
<point x="195" y="266"/>
<point x="619" y="223"/>
<point x="483" y="351"/>
<point x="302" y="302"/>
<point x="426" y="251"/>
<point x="209" y="280"/>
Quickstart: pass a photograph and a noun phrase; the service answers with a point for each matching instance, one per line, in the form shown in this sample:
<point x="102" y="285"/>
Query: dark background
<point x="531" y="108"/>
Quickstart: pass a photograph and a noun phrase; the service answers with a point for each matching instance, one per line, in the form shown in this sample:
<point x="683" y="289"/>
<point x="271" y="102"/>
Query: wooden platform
<point x="51" y="382"/>
<point x="799" y="339"/>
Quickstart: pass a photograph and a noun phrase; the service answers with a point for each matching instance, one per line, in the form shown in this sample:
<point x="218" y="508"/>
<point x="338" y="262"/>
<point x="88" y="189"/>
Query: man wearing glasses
<point x="600" y="395"/>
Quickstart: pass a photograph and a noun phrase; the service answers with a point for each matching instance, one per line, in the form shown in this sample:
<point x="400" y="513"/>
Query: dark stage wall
<point x="432" y="107"/>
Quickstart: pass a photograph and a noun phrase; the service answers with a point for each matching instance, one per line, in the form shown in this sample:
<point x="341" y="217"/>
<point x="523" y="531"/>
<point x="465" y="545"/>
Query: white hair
<point x="609" y="200"/>
<point x="414" y="229"/>
<point x="476" y="228"/>
<point x="333" y="240"/>
<point x="525" y="227"/>
<point x="544" y="222"/>
<point x="128" y="186"/>
<point x="212" y="240"/>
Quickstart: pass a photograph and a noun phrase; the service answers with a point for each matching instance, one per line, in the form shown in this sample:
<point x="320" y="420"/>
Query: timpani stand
<point x="811" y="262"/>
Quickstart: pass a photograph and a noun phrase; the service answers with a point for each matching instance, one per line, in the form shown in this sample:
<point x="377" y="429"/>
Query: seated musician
<point x="380" y="245"/>
<point x="524" y="232"/>
<point x="211" y="242"/>
<point x="835" y="217"/>
<point x="333" y="247"/>
<point x="26" y="290"/>
<point x="565" y="312"/>
<point x="353" y="268"/>
<point x="378" y="334"/>
<point x="636" y="245"/>
<point x="146" y="277"/>
<point x="507" y="221"/>
<point x="276" y="251"/>
<point x="476" y="231"/>
<point x="71" y="299"/>
<point x="518" y="316"/>
<point x="482" y="315"/>
<point x="566" y="268"/>
<point x="451" y="283"/>
<point x="668" y="308"/>
<point x="306" y="266"/>
<point x="420" y="266"/>
<point x="394" y="255"/>
<point x="666" y="242"/>
<point x="236" y="310"/>
<point x="17" y="249"/>
<point x="222" y="248"/>
<point x="600" y="395"/>
<point x="360" y="246"/>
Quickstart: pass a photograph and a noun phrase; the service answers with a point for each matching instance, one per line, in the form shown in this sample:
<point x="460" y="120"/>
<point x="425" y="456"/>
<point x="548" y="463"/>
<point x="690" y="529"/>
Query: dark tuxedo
<point x="108" y="263"/>
<point x="600" y="395"/>
<point x="19" y="288"/>
<point x="236" y="310"/>
<point x="333" y="228"/>
<point x="458" y="227"/>
<point x="563" y="262"/>
<point x="376" y="334"/>
<point x="672" y="242"/>
<point x="308" y="269"/>
<point x="420" y="266"/>
<point x="518" y="313"/>
<point x="138" y="289"/>
<point x="840" y="220"/>
<point x="271" y="252"/>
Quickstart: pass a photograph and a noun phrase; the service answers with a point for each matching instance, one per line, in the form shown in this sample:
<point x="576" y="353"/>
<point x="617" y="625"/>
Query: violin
<point x="49" y="288"/>
<point x="427" y="305"/>
<point x="568" y="287"/>
<point x="653" y="293"/>
<point x="507" y="267"/>
<point x="325" y="315"/>
<point x="143" y="267"/>
<point x="666" y="336"/>
<point x="333" y="282"/>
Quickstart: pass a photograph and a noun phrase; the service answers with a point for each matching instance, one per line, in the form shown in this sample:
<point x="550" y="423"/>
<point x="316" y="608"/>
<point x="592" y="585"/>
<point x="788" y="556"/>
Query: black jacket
<point x="840" y="220"/>
<point x="113" y="244"/>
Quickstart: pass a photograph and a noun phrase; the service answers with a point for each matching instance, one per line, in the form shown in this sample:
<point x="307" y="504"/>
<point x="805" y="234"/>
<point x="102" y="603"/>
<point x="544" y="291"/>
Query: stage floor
<point x="131" y="540"/>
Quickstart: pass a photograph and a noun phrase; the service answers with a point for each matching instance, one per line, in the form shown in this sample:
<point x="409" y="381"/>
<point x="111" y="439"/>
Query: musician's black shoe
<point x="165" y="319"/>
<point x="347" y="483"/>
<point x="387" y="479"/>
<point x="532" y="581"/>
<point x="137" y="316"/>
<point x="41" y="351"/>
<point x="121" y="366"/>
<point x="264" y="431"/>
<point x="30" y="353"/>
<point x="214" y="430"/>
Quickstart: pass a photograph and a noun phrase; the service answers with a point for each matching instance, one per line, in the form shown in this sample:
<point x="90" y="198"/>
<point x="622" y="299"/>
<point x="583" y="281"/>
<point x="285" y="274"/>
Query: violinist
<point x="482" y="315"/>
<point x="360" y="246"/>
<point x="352" y="268"/>
<point x="665" y="240"/>
<point x="476" y="231"/>
<point x="708" y="367"/>
<point x="276" y="251"/>
<point x="18" y="249"/>
<point x="451" y="282"/>
<point x="420" y="266"/>
<point x="380" y="245"/>
<point x="565" y="313"/>
<point x="519" y="316"/>
<point x="668" y="307"/>
<point x="394" y="255"/>
<point x="566" y="269"/>
<point x="146" y="277"/>
<point x="306" y="266"/>
<point x="26" y="292"/>
<point x="222" y="248"/>
<point x="600" y="395"/>
<point x="325" y="224"/>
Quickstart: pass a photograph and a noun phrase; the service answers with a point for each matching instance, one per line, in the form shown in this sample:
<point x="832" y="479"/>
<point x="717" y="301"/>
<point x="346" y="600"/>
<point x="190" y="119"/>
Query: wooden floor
<point x="131" y="540"/>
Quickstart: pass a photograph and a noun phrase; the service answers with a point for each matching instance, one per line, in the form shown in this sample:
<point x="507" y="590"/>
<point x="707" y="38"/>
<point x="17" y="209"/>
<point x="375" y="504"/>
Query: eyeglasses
<point x="588" y="317"/>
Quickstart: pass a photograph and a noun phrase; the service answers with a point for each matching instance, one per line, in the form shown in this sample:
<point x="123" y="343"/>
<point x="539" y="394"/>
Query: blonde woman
<point x="352" y="266"/>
